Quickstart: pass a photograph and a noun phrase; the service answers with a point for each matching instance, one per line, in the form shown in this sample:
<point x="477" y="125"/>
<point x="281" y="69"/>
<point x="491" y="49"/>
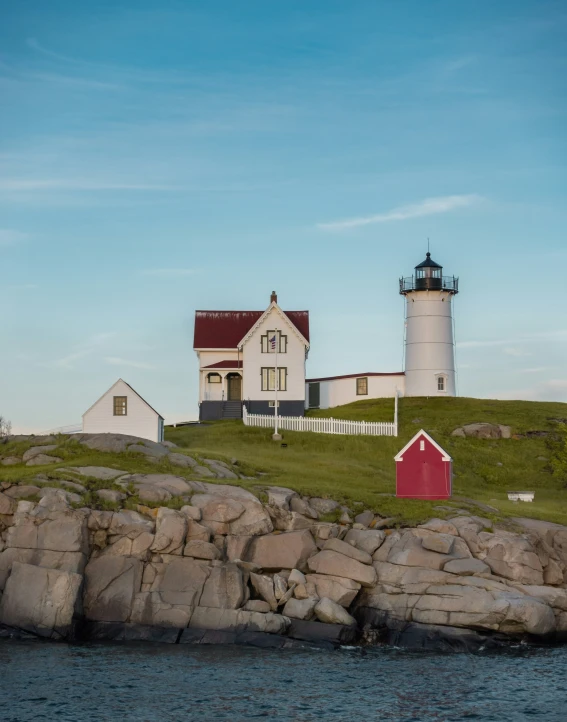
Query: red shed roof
<point x="225" y="329"/>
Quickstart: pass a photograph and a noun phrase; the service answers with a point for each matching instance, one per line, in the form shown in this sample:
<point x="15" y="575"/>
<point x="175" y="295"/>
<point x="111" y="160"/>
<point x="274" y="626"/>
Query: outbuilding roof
<point x="131" y="389"/>
<point x="225" y="329"/>
<point x="356" y="376"/>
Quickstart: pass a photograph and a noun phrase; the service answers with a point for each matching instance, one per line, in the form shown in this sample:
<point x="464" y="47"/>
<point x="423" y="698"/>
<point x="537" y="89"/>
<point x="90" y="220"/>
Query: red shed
<point x="423" y="469"/>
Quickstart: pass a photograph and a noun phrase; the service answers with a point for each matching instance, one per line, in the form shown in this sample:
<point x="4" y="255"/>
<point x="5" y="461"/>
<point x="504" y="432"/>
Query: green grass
<point x="356" y="468"/>
<point x="361" y="469"/>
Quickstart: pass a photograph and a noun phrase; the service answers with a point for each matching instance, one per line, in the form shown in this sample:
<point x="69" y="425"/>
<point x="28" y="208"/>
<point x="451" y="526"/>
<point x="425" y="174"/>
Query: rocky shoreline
<point x="227" y="568"/>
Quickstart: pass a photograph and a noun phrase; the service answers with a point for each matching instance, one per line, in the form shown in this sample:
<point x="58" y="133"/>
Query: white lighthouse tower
<point x="429" y="344"/>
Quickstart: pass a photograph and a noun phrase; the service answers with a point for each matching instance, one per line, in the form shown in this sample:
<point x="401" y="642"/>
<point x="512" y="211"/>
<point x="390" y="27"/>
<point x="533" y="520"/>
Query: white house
<point x="121" y="410"/>
<point x="330" y="391"/>
<point x="238" y="354"/>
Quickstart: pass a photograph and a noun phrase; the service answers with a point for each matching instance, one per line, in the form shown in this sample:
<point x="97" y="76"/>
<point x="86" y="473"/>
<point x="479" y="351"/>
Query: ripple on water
<point x="147" y="683"/>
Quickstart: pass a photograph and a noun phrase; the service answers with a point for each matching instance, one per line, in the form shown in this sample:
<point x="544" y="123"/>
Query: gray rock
<point x="263" y="585"/>
<point x="301" y="506"/>
<point x="257" y="605"/>
<point x="332" y="613"/>
<point x="181" y="581"/>
<point x="64" y="561"/>
<point x="127" y="523"/>
<point x="466" y="567"/>
<point x="238" y="620"/>
<point x="151" y="494"/>
<point x="39" y="600"/>
<point x="79" y="488"/>
<point x="280" y="586"/>
<point x="22" y="491"/>
<point x="339" y="565"/>
<point x="123" y="546"/>
<point x="174" y="485"/>
<point x="110" y="585"/>
<point x="191" y="512"/>
<point x="441" y="543"/>
<point x="111" y="495"/>
<point x="47" y="527"/>
<point x="152" y="452"/>
<point x="300" y="608"/>
<point x="225" y="490"/>
<point x="441" y="526"/>
<point x="10" y="461"/>
<point x="201" y="550"/>
<point x="290" y="550"/>
<point x="341" y="590"/>
<point x="224" y="588"/>
<point x="43" y="460"/>
<point x="484" y="431"/>
<point x="171" y="529"/>
<point x="366" y="518"/>
<point x="220" y="469"/>
<point x="96" y="472"/>
<point x="217" y="508"/>
<point x="296" y="577"/>
<point x="323" y="506"/>
<point x="280" y="496"/>
<point x="236" y="547"/>
<point x="7" y="504"/>
<point x="367" y="540"/>
<point x="336" y="545"/>
<point x="168" y="444"/>
<point x="37" y="451"/>
<point x="197" y="531"/>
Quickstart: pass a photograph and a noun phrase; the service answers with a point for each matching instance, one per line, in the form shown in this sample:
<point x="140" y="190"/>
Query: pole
<point x="276" y="436"/>
<point x="396" y="413"/>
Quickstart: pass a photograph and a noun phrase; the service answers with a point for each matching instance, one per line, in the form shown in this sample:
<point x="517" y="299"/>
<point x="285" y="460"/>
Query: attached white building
<point x="237" y="361"/>
<point x="330" y="391"/>
<point x="121" y="410"/>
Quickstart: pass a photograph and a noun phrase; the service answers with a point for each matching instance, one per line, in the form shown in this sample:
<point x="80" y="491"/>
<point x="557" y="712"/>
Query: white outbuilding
<point x="121" y="410"/>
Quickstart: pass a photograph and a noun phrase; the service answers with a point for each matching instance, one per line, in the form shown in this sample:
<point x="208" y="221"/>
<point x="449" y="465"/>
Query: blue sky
<point x="158" y="157"/>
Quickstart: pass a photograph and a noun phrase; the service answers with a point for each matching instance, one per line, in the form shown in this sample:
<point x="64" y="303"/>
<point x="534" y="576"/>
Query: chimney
<point x="274" y="297"/>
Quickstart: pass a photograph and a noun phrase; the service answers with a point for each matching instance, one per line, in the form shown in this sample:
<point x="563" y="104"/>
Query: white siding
<point x="430" y="350"/>
<point x="337" y="392"/>
<point x="293" y="360"/>
<point x="213" y="392"/>
<point x="140" y="420"/>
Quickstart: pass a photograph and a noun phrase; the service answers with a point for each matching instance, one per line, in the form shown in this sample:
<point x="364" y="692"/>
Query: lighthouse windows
<point x="441" y="383"/>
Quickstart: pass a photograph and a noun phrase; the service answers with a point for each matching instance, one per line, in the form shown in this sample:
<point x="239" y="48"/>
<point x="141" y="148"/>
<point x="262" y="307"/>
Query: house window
<point x="269" y="379"/>
<point x="272" y="404"/>
<point x="120" y="406"/>
<point x="214" y="378"/>
<point x="440" y="383"/>
<point x="269" y="341"/>
<point x="362" y="386"/>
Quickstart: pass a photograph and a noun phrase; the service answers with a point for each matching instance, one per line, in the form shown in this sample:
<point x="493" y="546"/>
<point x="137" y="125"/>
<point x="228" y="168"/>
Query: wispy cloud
<point x="21" y="286"/>
<point x="168" y="272"/>
<point x="427" y="207"/>
<point x="511" y="351"/>
<point x="89" y="346"/>
<point x="558" y="335"/>
<point x="538" y="369"/>
<point x="9" y="237"/>
<point x="117" y="361"/>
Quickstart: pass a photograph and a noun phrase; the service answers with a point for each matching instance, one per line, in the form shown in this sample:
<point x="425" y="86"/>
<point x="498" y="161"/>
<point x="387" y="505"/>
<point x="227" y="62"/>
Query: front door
<point x="234" y="387"/>
<point x="314" y="396"/>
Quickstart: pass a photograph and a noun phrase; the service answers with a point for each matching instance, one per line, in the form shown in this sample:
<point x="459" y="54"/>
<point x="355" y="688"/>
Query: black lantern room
<point x="429" y="277"/>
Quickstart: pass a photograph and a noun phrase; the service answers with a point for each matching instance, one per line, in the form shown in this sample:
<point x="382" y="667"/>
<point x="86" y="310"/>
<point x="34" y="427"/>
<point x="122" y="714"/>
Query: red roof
<point x="225" y="329"/>
<point x="356" y="376"/>
<point x="225" y="365"/>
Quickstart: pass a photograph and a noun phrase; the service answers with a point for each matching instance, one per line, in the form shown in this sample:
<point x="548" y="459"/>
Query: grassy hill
<point x="360" y="469"/>
<point x="356" y="468"/>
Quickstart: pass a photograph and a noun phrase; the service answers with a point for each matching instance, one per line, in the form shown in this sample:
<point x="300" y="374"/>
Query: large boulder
<point x="110" y="585"/>
<point x="339" y="565"/>
<point x="336" y="545"/>
<point x="511" y="556"/>
<point x="332" y="613"/>
<point x="39" y="600"/>
<point x="64" y="561"/>
<point x="484" y="431"/>
<point x="37" y="450"/>
<point x="174" y="485"/>
<point x="238" y="620"/>
<point x="367" y="540"/>
<point x="129" y="523"/>
<point x="103" y="473"/>
<point x="225" y="588"/>
<point x="171" y="529"/>
<point x="43" y="460"/>
<point x="263" y="585"/>
<point x="290" y="550"/>
<point x="300" y="608"/>
<point x="339" y="589"/>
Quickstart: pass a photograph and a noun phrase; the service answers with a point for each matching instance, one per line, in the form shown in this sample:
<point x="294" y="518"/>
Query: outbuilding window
<point x="362" y="386"/>
<point x="120" y="406"/>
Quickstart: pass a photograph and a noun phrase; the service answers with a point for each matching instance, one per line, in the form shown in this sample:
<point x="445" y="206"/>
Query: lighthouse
<point x="429" y="344"/>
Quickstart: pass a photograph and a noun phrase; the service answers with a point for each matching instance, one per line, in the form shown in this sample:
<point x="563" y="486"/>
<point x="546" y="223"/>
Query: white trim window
<point x="441" y="383"/>
<point x="269" y="340"/>
<point x="269" y="378"/>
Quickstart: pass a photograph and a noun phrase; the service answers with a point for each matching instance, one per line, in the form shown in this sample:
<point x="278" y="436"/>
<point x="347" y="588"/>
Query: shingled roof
<point x="225" y="329"/>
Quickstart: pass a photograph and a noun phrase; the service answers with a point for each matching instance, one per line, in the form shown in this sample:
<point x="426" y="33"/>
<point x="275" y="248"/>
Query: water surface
<point x="154" y="683"/>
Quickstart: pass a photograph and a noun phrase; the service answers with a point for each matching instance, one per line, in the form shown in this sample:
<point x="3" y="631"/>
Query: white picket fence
<point x="322" y="425"/>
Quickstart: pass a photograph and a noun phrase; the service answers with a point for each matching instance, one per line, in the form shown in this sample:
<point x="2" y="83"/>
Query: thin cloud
<point x="557" y="335"/>
<point x="117" y="361"/>
<point x="427" y="207"/>
<point x="510" y="351"/>
<point x="168" y="272"/>
<point x="22" y="286"/>
<point x="88" y="347"/>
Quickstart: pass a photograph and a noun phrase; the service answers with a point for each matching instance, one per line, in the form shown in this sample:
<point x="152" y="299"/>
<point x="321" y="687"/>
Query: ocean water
<point x="154" y="683"/>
